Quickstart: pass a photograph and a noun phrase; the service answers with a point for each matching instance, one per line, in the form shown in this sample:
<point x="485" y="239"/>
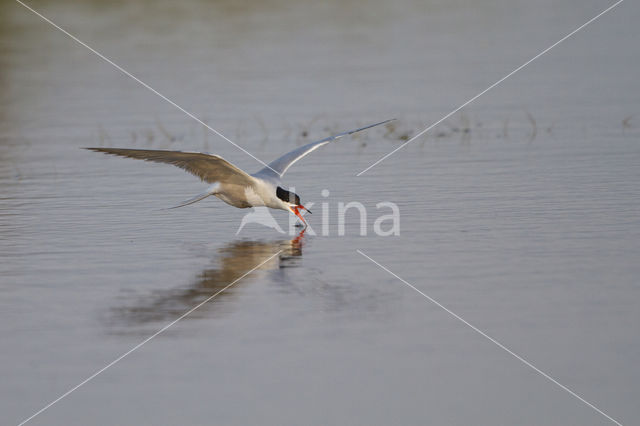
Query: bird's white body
<point x="260" y="193"/>
<point x="231" y="184"/>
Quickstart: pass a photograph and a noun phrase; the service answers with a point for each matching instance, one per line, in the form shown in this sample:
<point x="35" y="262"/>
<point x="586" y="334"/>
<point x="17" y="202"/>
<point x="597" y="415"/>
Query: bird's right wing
<point x="278" y="167"/>
<point x="209" y="168"/>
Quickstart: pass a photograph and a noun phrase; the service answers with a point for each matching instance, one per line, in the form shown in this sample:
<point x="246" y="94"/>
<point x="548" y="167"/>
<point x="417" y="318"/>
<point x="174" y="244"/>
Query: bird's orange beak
<point x="301" y="207"/>
<point x="296" y="211"/>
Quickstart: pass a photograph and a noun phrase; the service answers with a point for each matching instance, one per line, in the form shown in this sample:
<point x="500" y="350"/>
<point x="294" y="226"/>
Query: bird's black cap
<point x="287" y="196"/>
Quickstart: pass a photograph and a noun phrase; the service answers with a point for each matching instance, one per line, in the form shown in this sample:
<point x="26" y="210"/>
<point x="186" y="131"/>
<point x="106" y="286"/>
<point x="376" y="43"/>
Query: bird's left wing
<point x="209" y="168"/>
<point x="278" y="167"/>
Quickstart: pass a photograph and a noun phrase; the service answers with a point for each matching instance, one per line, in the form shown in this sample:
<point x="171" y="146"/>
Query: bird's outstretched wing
<point x="209" y="168"/>
<point x="278" y="167"/>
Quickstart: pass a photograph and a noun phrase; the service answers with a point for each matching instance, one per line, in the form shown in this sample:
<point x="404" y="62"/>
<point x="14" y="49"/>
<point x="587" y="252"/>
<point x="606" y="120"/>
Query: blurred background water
<point x="520" y="213"/>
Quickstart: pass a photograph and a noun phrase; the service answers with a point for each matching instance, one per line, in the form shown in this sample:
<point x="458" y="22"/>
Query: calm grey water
<point x="520" y="214"/>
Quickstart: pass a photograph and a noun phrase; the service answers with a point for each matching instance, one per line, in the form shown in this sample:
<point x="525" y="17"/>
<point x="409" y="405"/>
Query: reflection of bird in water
<point x="235" y="259"/>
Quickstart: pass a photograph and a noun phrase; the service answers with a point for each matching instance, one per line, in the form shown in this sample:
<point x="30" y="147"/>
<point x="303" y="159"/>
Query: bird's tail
<point x="193" y="200"/>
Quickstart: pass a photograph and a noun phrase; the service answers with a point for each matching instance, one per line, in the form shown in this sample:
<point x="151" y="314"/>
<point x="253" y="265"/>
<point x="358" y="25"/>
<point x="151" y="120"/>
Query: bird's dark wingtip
<point x="384" y="122"/>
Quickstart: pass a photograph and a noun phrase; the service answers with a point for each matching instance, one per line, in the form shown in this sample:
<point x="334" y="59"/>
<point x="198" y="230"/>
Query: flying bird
<point x="231" y="184"/>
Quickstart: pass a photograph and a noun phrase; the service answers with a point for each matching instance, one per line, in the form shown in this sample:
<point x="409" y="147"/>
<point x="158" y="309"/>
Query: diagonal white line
<point x="128" y="74"/>
<point x="500" y="345"/>
<point x="115" y="361"/>
<point x="491" y="87"/>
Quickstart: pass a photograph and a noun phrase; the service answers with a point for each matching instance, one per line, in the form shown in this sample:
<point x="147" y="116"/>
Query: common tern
<point x="231" y="184"/>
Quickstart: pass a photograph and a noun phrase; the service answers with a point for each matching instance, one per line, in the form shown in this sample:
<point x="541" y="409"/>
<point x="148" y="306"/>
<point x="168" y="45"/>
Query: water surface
<point x="520" y="214"/>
